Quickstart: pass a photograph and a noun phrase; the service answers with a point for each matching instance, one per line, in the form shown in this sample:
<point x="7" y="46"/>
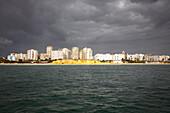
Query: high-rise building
<point x="81" y="54"/>
<point x="75" y="53"/>
<point x="48" y="51"/>
<point x="66" y="53"/>
<point x="87" y="53"/>
<point x="32" y="54"/>
<point x="57" y="54"/>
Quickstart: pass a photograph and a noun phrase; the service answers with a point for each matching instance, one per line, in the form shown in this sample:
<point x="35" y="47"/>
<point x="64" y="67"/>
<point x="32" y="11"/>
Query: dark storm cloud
<point x="105" y="25"/>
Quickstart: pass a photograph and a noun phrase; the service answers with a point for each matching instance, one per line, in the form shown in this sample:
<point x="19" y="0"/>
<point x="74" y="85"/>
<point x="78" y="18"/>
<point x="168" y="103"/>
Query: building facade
<point x="32" y="54"/>
<point x="81" y="54"/>
<point x="43" y="56"/>
<point x="49" y="49"/>
<point x="57" y="55"/>
<point x="75" y="53"/>
<point x="87" y="53"/>
<point x="66" y="53"/>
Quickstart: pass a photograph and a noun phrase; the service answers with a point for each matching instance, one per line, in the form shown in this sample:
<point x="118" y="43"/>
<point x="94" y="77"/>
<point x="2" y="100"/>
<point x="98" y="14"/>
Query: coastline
<point x="46" y="64"/>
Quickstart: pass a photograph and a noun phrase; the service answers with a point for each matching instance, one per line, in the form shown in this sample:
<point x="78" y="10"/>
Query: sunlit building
<point x="66" y="53"/>
<point x="49" y="49"/>
<point x="75" y="53"/>
<point x="117" y="58"/>
<point x="32" y="54"/>
<point x="87" y="53"/>
<point x="103" y="57"/>
<point x="81" y="54"/>
<point x="57" y="55"/>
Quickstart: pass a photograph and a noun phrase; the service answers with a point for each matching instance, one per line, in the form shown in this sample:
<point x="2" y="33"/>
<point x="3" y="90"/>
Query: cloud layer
<point x="104" y="25"/>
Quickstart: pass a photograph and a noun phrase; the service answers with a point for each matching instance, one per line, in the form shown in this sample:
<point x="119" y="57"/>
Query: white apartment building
<point x="75" y="53"/>
<point x="131" y="57"/>
<point x="32" y="54"/>
<point x="49" y="49"/>
<point x="136" y="57"/>
<point x="81" y="54"/>
<point x="104" y="57"/>
<point x="66" y="53"/>
<point x="17" y="57"/>
<point x="87" y="53"/>
<point x="117" y="58"/>
<point x="57" y="54"/>
<point x="21" y="56"/>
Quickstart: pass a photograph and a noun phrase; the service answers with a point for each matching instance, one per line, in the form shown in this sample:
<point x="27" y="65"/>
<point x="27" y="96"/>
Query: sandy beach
<point x="85" y="64"/>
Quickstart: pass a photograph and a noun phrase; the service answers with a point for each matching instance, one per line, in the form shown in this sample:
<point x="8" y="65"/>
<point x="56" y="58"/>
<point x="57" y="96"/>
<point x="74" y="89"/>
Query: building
<point x="32" y="54"/>
<point x="57" y="55"/>
<point x="75" y="53"/>
<point x="146" y="57"/>
<point x="81" y="54"/>
<point x="131" y="57"/>
<point x="43" y="56"/>
<point x="103" y="57"/>
<point x="136" y="57"/>
<point x="21" y="57"/>
<point x="49" y="49"/>
<point x="117" y="58"/>
<point x="11" y="57"/>
<point x="87" y="53"/>
<point x="66" y="53"/>
<point x="124" y="55"/>
<point x="17" y="57"/>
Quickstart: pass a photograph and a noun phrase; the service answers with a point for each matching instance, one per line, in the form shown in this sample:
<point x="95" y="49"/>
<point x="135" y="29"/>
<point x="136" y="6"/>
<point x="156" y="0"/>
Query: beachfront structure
<point x="32" y="54"/>
<point x="43" y="56"/>
<point x="117" y="58"/>
<point x="57" y="55"/>
<point x="137" y="57"/>
<point x="131" y="57"/>
<point x="75" y="53"/>
<point x="17" y="57"/>
<point x="11" y="57"/>
<point x="124" y="55"/>
<point x="21" y="57"/>
<point x="81" y="54"/>
<point x="49" y="49"/>
<point x="87" y="53"/>
<point x="103" y="57"/>
<point x="66" y="53"/>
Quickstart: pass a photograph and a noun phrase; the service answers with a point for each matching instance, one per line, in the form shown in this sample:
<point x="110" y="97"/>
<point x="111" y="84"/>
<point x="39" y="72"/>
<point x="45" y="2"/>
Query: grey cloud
<point x="4" y="41"/>
<point x="104" y="25"/>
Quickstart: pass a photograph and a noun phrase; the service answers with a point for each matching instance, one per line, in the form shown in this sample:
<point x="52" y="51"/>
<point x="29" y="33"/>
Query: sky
<point x="106" y="26"/>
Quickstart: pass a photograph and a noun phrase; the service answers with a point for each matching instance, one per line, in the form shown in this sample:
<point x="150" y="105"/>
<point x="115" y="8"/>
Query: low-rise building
<point x="11" y="57"/>
<point x="103" y="57"/>
<point x="43" y="56"/>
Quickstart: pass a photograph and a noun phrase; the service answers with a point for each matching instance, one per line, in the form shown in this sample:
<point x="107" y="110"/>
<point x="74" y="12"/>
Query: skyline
<point x="82" y="55"/>
<point x="109" y="26"/>
<point x="56" y="49"/>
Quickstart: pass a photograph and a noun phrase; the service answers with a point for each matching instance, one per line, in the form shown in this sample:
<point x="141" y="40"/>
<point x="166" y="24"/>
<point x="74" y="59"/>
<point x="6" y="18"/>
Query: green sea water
<point x="85" y="89"/>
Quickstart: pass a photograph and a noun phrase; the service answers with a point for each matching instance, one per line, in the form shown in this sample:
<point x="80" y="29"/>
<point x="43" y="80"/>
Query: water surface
<point x="100" y="89"/>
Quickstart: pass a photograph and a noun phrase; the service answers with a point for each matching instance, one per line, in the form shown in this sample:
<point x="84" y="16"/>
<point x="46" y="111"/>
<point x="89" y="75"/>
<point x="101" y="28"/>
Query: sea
<point x="85" y="89"/>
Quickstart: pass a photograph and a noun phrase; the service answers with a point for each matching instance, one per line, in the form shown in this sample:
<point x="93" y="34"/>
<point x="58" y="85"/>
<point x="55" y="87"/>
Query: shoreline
<point x="49" y="64"/>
